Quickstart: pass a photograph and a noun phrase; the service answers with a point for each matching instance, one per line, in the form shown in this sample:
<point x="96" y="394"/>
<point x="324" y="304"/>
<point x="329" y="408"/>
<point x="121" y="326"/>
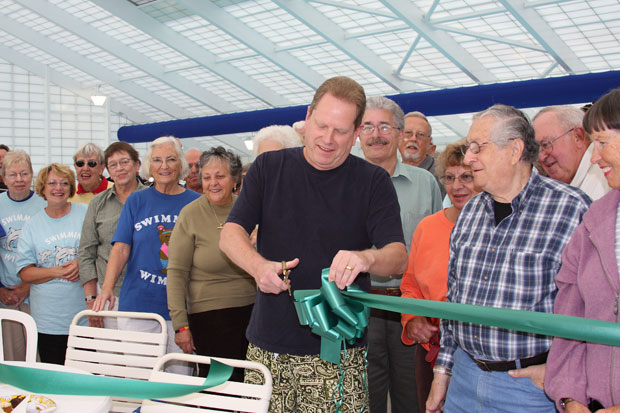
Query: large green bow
<point x="331" y="315"/>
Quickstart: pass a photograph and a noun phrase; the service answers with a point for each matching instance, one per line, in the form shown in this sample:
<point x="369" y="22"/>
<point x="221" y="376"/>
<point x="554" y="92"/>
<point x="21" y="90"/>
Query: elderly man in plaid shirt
<point x="504" y="252"/>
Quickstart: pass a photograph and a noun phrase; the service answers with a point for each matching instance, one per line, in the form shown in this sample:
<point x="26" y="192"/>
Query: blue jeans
<point x="472" y="390"/>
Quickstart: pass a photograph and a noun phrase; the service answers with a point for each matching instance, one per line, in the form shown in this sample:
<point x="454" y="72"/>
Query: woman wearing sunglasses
<point x="89" y="165"/>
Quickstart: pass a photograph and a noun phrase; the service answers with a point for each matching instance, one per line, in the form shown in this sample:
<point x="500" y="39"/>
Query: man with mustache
<point x="416" y="145"/>
<point x="390" y="362"/>
<point x="89" y="166"/>
<point x="565" y="150"/>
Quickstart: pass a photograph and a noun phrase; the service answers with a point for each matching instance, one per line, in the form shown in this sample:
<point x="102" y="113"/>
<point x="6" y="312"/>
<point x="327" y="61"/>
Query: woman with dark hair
<point x="426" y="276"/>
<point x="104" y="210"/>
<point x="210" y="298"/>
<point x="582" y="376"/>
<point x="47" y="259"/>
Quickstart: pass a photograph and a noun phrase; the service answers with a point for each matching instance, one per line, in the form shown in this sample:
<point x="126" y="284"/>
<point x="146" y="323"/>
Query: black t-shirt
<point x="310" y="214"/>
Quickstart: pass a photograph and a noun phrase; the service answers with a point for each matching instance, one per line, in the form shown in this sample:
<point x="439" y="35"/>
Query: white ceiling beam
<point x="496" y="39"/>
<point x="126" y="54"/>
<point x="142" y="21"/>
<point x="95" y="70"/>
<point x="446" y="45"/>
<point x="342" y="5"/>
<point x="65" y="82"/>
<point x="546" y="36"/>
<point x="253" y="40"/>
<point x="353" y="48"/>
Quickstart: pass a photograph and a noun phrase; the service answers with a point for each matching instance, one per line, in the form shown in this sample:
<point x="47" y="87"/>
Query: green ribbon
<point x="333" y="316"/>
<point x="37" y="380"/>
<point x="315" y="308"/>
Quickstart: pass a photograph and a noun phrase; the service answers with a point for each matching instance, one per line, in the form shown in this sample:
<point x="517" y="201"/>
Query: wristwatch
<point x="564" y="401"/>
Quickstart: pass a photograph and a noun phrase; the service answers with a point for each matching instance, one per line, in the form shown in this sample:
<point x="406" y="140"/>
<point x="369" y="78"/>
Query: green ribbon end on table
<point x="37" y="380"/>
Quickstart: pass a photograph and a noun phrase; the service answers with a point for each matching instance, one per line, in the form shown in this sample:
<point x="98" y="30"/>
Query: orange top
<point x="426" y="276"/>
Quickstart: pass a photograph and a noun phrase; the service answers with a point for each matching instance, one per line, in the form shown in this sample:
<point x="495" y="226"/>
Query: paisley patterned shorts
<point x="310" y="385"/>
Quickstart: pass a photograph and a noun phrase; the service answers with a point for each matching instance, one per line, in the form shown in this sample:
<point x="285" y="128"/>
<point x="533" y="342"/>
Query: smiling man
<point x="566" y="150"/>
<point x="89" y="165"/>
<point x="317" y="206"/>
<point x="505" y="251"/>
<point x="416" y="145"/>
<point x="390" y="362"/>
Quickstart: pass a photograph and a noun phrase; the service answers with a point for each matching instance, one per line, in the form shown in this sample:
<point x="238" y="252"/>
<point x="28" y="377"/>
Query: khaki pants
<point x="14" y="337"/>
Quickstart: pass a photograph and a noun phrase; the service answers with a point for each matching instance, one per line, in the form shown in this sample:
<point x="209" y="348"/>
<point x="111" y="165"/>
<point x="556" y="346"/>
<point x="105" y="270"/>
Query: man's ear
<point x="582" y="140"/>
<point x="517" y="148"/>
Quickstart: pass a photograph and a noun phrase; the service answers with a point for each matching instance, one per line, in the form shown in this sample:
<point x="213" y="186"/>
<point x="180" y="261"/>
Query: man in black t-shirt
<point x="317" y="207"/>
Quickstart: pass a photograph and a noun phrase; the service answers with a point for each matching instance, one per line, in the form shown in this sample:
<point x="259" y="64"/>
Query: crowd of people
<point x="518" y="214"/>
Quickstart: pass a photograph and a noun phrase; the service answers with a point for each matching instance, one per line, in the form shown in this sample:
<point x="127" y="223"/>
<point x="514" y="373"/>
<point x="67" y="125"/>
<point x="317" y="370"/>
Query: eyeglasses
<point x="90" y="163"/>
<point x="192" y="164"/>
<point x="474" y="147"/>
<point x="547" y="145"/>
<point x="157" y="162"/>
<point x="418" y="134"/>
<point x="11" y="176"/>
<point x="123" y="163"/>
<point x="384" y="129"/>
<point x="64" y="184"/>
<point x="466" y="178"/>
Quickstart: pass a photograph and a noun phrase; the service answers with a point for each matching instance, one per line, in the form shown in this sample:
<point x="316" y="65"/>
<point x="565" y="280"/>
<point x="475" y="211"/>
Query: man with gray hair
<point x="274" y="138"/>
<point x="505" y="251"/>
<point x="566" y="150"/>
<point x="416" y="144"/>
<point x="89" y="165"/>
<point x="390" y="362"/>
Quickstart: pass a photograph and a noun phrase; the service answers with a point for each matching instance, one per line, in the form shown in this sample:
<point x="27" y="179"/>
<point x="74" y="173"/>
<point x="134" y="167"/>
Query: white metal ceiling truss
<point x="168" y="59"/>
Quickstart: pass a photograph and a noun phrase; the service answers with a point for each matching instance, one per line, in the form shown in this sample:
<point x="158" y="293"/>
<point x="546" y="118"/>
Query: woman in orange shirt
<point x="426" y="276"/>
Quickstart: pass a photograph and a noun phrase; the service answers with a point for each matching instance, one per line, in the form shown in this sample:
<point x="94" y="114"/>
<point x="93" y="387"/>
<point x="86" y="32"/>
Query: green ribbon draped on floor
<point x="342" y="316"/>
<point x="39" y="381"/>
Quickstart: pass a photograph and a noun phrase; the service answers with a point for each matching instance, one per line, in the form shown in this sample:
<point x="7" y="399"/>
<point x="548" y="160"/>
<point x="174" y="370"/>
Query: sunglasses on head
<point x="90" y="163"/>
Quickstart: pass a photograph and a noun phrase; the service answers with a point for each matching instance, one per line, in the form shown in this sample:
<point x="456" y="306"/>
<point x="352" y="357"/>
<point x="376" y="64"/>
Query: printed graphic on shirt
<point x="164" y="238"/>
<point x="44" y="258"/>
<point x="11" y="239"/>
<point x="65" y="254"/>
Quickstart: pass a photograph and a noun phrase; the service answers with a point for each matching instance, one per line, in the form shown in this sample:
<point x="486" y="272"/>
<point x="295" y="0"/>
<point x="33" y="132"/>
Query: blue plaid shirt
<point x="511" y="265"/>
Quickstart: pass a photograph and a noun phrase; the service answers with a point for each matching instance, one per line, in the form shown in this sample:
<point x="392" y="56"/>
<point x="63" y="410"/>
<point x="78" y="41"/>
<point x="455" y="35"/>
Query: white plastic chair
<point x="116" y="353"/>
<point x="227" y="397"/>
<point x="30" y="326"/>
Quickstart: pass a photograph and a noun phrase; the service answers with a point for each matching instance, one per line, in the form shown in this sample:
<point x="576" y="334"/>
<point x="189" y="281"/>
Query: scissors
<point x="285" y="273"/>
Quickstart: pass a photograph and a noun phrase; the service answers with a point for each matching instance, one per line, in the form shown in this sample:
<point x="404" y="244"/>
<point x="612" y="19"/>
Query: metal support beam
<point x="353" y="48"/>
<point x="124" y="10"/>
<point x="254" y="40"/>
<point x="546" y="36"/>
<point x="126" y="54"/>
<point x="414" y="17"/>
<point x="88" y="66"/>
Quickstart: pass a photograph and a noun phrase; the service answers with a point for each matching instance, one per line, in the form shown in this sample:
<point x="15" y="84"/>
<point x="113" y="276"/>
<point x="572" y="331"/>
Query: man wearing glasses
<point x="89" y="166"/>
<point x="566" y="150"/>
<point x="416" y="145"/>
<point x="505" y="251"/>
<point x="390" y="362"/>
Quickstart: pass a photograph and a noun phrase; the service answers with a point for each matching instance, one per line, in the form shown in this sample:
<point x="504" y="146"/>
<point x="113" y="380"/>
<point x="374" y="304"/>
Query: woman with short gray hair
<point x="209" y="297"/>
<point x="141" y="240"/>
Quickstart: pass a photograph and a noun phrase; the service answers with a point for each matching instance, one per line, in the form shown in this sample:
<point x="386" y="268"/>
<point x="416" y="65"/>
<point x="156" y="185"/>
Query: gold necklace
<point x="220" y="224"/>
